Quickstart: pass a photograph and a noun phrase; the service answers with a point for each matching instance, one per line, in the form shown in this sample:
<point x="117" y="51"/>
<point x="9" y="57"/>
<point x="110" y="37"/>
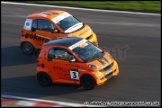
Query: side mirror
<point x="73" y="60"/>
<point x="54" y="31"/>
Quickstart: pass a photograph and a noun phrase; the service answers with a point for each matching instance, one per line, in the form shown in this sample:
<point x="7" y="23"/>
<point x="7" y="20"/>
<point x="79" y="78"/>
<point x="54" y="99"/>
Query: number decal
<point x="74" y="75"/>
<point x="27" y="24"/>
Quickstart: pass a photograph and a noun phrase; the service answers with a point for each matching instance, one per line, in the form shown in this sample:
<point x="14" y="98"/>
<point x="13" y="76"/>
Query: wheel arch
<point x="34" y="46"/>
<point x="87" y="75"/>
<point x="42" y="72"/>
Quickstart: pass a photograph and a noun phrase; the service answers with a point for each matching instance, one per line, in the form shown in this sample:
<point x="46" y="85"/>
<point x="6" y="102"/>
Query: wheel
<point x="27" y="48"/>
<point x="44" y="79"/>
<point x="88" y="82"/>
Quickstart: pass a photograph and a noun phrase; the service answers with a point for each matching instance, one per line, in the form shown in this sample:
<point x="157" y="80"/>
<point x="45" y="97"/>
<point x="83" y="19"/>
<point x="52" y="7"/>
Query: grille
<point x="89" y="37"/>
<point x="108" y="76"/>
<point x="106" y="68"/>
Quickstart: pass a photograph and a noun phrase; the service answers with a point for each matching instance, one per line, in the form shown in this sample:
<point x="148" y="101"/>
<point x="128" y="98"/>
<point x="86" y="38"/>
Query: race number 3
<point x="74" y="75"/>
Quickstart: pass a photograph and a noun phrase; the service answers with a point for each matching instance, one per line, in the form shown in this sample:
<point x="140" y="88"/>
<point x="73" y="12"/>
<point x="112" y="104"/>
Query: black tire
<point x="27" y="48"/>
<point x="44" y="79"/>
<point x="88" y="82"/>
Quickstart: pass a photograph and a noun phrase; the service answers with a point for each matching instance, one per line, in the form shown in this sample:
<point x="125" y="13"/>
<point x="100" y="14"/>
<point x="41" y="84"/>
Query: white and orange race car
<point x="74" y="60"/>
<point x="40" y="27"/>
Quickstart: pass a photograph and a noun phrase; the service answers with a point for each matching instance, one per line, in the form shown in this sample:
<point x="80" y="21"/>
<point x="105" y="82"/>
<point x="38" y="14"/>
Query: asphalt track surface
<point x="133" y="40"/>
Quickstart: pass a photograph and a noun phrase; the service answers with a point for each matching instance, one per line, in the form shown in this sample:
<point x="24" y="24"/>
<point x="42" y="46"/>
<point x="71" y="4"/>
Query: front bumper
<point x="93" y="38"/>
<point x="107" y="74"/>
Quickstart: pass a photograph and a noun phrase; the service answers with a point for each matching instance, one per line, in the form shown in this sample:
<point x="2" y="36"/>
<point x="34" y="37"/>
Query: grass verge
<point x="137" y="6"/>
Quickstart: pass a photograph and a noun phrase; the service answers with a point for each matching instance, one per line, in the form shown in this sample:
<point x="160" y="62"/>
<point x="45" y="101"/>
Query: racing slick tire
<point x="44" y="79"/>
<point x="27" y="48"/>
<point x="88" y="82"/>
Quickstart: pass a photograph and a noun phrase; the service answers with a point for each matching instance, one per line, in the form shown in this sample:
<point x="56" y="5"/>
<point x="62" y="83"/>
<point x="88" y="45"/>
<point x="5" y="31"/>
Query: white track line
<point x="113" y="11"/>
<point x="41" y="100"/>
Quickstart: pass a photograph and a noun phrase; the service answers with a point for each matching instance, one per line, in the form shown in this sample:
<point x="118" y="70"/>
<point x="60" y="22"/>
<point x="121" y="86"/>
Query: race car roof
<point x="46" y="13"/>
<point x="66" y="41"/>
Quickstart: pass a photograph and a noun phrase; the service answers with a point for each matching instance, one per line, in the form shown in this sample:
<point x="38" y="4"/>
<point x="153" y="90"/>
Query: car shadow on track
<point x="11" y="56"/>
<point x="29" y="85"/>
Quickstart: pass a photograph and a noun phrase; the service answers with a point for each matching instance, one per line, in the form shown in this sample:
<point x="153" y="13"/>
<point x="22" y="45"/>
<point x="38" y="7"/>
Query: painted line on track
<point x="23" y="101"/>
<point x="100" y="10"/>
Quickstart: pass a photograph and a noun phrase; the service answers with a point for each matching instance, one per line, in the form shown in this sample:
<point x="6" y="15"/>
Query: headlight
<point x="93" y="66"/>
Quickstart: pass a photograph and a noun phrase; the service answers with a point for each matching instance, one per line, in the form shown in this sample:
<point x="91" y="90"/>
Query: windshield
<point x="67" y="22"/>
<point x="88" y="52"/>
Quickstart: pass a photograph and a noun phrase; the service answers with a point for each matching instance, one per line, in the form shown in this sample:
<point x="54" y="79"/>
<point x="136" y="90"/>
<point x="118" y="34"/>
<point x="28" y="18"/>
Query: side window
<point x="58" y="53"/>
<point x="51" y="54"/>
<point x="45" y="25"/>
<point x="63" y="54"/>
<point x="34" y="25"/>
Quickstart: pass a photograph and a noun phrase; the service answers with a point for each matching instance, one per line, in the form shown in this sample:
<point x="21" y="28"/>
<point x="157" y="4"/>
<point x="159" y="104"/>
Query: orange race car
<point x="74" y="60"/>
<point x="43" y="26"/>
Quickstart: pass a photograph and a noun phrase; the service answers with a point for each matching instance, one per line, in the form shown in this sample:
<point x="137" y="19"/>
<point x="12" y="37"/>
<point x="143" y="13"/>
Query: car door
<point x="65" y="70"/>
<point x="43" y="30"/>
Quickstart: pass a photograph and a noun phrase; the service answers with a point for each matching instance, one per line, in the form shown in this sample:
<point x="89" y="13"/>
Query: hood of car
<point x="83" y="32"/>
<point x="103" y="61"/>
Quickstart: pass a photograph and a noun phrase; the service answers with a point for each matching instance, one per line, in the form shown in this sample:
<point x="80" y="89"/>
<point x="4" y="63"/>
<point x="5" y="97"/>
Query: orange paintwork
<point x="59" y="70"/>
<point x="38" y="37"/>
